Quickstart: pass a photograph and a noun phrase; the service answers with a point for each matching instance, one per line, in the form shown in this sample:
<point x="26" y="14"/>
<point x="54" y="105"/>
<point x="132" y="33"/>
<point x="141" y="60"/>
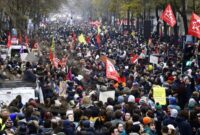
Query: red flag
<point x="194" y="28"/>
<point x="98" y="37"/>
<point x="27" y="41"/>
<point x="74" y="37"/>
<point x="9" y="41"/>
<point x="168" y="16"/>
<point x="51" y="56"/>
<point x="111" y="73"/>
<point x="135" y="58"/>
<point x="20" y="38"/>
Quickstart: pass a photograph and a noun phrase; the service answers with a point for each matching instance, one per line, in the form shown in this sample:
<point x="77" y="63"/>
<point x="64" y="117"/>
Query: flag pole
<point x="182" y="69"/>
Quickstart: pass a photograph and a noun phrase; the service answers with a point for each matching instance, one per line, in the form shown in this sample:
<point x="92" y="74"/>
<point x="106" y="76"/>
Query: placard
<point x="153" y="59"/>
<point x="159" y="95"/>
<point x="103" y="96"/>
<point x="63" y="88"/>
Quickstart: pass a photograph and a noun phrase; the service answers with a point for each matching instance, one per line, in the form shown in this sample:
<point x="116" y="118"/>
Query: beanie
<point x="120" y="99"/>
<point x="191" y="103"/>
<point x="173" y="113"/>
<point x="13" y="116"/>
<point x="147" y="120"/>
<point x="172" y="101"/>
<point x="131" y="99"/>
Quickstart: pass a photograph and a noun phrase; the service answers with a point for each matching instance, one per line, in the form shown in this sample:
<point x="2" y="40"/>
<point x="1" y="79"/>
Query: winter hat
<point x="158" y="107"/>
<point x="120" y="99"/>
<point x="147" y="120"/>
<point x="131" y="99"/>
<point x="137" y="100"/>
<point x="192" y="103"/>
<point x="172" y="101"/>
<point x="13" y="116"/>
<point x="173" y="113"/>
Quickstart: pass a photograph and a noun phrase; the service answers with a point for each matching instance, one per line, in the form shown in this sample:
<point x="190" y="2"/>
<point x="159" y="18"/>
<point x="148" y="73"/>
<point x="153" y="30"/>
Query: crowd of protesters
<point x="133" y="111"/>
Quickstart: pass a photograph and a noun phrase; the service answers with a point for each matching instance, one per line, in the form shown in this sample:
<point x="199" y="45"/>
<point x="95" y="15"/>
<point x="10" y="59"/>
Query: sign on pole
<point x="153" y="59"/>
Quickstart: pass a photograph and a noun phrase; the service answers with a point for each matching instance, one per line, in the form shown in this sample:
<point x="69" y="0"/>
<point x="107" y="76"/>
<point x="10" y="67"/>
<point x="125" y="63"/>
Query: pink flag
<point x="69" y="75"/>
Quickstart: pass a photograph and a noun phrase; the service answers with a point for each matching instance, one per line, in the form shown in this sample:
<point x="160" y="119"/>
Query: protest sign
<point x="63" y="88"/>
<point x="153" y="59"/>
<point x="159" y="95"/>
<point x="103" y="96"/>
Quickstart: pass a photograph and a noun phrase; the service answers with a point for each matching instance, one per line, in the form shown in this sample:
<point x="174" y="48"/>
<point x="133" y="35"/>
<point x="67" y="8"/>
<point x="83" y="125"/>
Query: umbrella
<point x="31" y="57"/>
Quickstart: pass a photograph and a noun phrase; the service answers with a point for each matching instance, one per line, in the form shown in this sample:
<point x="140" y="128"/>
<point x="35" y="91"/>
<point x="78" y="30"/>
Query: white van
<point x="15" y="50"/>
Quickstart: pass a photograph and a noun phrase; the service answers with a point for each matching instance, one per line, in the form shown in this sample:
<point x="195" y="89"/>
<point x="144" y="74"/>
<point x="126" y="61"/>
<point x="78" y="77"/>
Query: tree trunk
<point x="175" y="33"/>
<point x="132" y="21"/>
<point x="137" y="24"/>
<point x="185" y="22"/>
<point x="158" y="23"/>
<point x="175" y="27"/>
<point x="184" y="16"/>
<point x="128" y="18"/>
<point x="165" y="29"/>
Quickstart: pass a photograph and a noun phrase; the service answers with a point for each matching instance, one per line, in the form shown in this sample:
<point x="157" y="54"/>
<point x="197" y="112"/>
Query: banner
<point x="159" y="95"/>
<point x="63" y="88"/>
<point x="153" y="59"/>
<point x="103" y="96"/>
<point x="168" y="16"/>
<point x="194" y="28"/>
<point x="135" y="58"/>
